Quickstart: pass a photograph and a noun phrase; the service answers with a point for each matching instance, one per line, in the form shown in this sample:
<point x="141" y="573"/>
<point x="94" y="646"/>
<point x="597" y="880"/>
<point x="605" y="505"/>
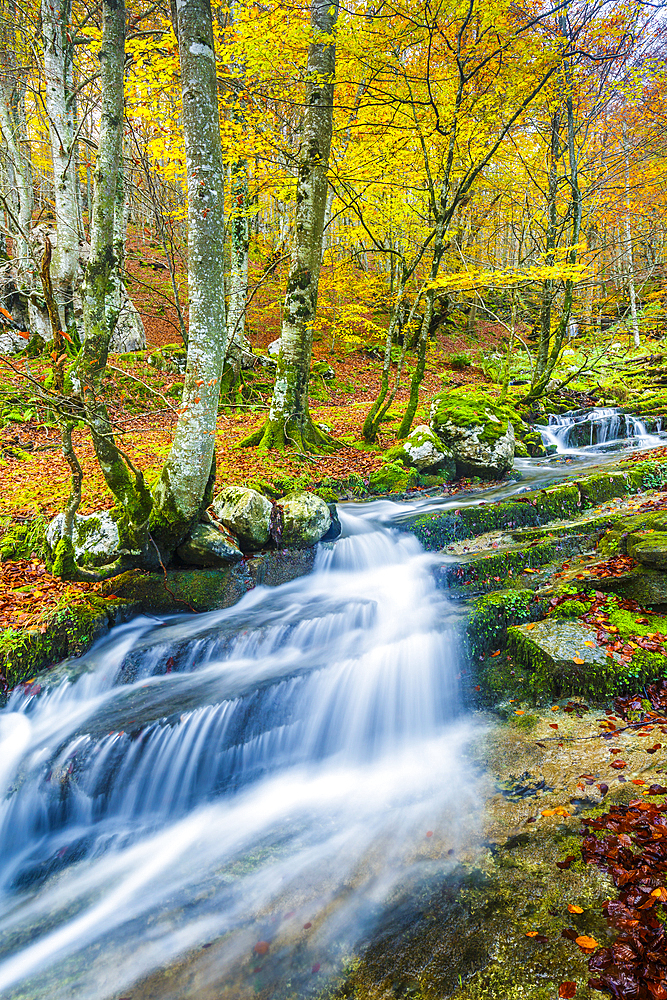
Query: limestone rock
<point x="305" y="519"/>
<point x="424" y="451"/>
<point x="563" y="656"/>
<point x="476" y="431"/>
<point x="210" y="545"/>
<point x="95" y="537"/>
<point x="247" y="514"/>
<point x="649" y="548"/>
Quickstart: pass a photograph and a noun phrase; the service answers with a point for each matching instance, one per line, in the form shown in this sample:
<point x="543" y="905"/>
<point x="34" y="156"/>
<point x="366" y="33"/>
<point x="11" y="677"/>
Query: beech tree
<point x="289" y="423"/>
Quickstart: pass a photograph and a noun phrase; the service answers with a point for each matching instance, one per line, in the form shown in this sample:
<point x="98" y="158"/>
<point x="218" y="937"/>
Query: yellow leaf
<point x="573" y="908"/>
<point x="577" y="659"/>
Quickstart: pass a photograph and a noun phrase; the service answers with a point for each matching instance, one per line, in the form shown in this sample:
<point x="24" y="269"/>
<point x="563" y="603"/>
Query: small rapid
<point x="221" y="779"/>
<point x="600" y="428"/>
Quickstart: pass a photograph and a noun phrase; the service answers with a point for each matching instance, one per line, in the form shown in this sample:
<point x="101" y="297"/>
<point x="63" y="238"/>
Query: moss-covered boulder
<point x="210" y="545"/>
<point x="96" y="537"/>
<point x="392" y="477"/>
<point x="247" y="514"/>
<point x="305" y="520"/>
<point x="477" y="430"/>
<point x="424" y="451"/>
<point x="642" y="584"/>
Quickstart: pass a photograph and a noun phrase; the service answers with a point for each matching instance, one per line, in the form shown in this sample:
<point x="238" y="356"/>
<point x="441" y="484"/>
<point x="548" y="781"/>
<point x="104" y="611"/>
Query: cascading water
<point x="598" y="427"/>
<point x="220" y="780"/>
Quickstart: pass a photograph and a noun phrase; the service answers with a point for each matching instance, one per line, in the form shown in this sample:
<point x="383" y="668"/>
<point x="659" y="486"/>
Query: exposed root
<point x="300" y="435"/>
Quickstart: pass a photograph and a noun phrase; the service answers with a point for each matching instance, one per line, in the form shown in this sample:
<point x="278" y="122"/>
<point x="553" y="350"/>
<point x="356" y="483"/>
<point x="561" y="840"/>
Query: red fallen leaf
<point x="567" y="990"/>
<point x="261" y="948"/>
<point x="565" y="864"/>
<point x="657" y="790"/>
<point x="553" y="725"/>
<point x="569" y="934"/>
<point x="306" y="926"/>
<point x="618" y="764"/>
<point x="316" y="968"/>
<point x="497" y="653"/>
<point x="429" y="833"/>
<point x="604" y="788"/>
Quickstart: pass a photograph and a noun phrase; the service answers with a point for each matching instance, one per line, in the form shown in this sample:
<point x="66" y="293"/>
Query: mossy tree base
<point x="300" y="434"/>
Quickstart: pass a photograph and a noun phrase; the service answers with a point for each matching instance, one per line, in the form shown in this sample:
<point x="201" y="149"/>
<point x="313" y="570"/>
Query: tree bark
<point x="290" y="423"/>
<point x="186" y="476"/>
<point x="629" y="261"/>
<point x="101" y="287"/>
<point x="60" y="107"/>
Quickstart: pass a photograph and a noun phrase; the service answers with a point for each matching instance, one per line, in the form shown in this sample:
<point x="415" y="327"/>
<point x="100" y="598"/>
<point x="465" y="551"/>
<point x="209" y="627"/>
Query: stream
<point x="244" y="793"/>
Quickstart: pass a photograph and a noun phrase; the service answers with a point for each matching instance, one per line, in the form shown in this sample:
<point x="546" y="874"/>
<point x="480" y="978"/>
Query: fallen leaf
<point x="578" y="660"/>
<point x="573" y="908"/>
<point x="261" y="948"/>
<point x="587" y="944"/>
<point x="567" y="990"/>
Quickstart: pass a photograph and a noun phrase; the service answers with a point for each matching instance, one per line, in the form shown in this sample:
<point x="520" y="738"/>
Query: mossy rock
<point x="492" y="614"/>
<point x="563" y="659"/>
<point x="423" y="450"/>
<point x="69" y="632"/>
<point x="477" y="430"/>
<point x="23" y="541"/>
<point x="393" y="478"/>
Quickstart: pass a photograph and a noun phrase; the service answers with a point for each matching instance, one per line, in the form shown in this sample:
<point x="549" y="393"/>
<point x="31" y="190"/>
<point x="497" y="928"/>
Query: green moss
<point x="22" y="541"/>
<point x="393" y="478"/>
<point x="466" y="407"/>
<point x="569" y="609"/>
<point x="491" y="615"/>
<point x="67" y="632"/>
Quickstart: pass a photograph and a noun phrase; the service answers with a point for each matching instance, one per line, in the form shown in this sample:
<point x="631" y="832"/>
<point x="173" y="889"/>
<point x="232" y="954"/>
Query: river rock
<point x="95" y="537"/>
<point x="247" y="514"/>
<point x="476" y="431"/>
<point x="563" y="656"/>
<point x="649" y="548"/>
<point x="210" y="545"/>
<point x="423" y="450"/>
<point x="305" y="519"/>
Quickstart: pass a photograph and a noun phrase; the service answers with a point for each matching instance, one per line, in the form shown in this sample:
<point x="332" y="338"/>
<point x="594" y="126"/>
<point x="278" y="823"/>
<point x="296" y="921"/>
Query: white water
<point x="284" y="768"/>
<point x="585" y="430"/>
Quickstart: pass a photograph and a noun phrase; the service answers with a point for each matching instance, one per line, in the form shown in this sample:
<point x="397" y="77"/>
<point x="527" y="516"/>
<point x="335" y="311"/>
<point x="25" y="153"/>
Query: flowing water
<point x="226" y="804"/>
<point x="600" y="428"/>
<point x="224" y="779"/>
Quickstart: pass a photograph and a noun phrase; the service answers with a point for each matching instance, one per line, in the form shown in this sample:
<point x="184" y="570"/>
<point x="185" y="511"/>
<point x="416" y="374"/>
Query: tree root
<point x="301" y="435"/>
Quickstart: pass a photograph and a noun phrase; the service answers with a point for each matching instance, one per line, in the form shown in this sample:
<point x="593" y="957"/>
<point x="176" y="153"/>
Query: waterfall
<point x="597" y="427"/>
<point x="220" y="779"/>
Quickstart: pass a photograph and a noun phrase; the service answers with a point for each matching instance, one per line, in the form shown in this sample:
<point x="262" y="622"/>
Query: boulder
<point x="210" y="545"/>
<point x="306" y="519"/>
<point x="247" y="514"/>
<point x="563" y="658"/>
<point x="274" y="347"/>
<point x="392" y="478"/>
<point x="424" y="451"/>
<point x="477" y="431"/>
<point x="95" y="537"/>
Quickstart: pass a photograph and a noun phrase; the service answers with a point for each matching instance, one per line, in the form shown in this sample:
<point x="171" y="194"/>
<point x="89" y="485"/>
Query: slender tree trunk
<point x="629" y="261"/>
<point x="187" y="474"/>
<point x="101" y="287"/>
<point x="59" y="104"/>
<point x="422" y="343"/>
<point x="289" y="422"/>
<point x="549" y="285"/>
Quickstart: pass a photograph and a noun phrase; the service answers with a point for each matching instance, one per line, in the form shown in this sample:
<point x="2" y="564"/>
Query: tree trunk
<point x="182" y="487"/>
<point x="549" y="285"/>
<point x="101" y="287"/>
<point x="290" y="423"/>
<point x="629" y="261"/>
<point x="59" y="105"/>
